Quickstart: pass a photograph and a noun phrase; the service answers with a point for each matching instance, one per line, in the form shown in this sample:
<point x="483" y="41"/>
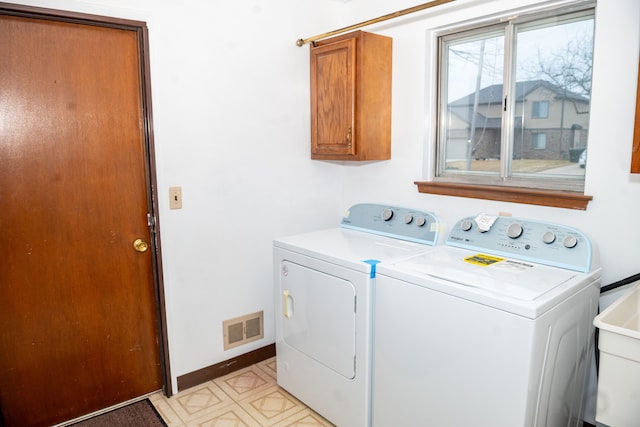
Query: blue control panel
<point x="393" y="221"/>
<point x="538" y="242"/>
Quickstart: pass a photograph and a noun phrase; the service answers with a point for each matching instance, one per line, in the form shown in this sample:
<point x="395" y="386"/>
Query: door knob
<point x="140" y="245"/>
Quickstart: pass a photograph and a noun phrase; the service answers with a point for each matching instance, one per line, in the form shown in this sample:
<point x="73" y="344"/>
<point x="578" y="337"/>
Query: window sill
<point x="558" y="199"/>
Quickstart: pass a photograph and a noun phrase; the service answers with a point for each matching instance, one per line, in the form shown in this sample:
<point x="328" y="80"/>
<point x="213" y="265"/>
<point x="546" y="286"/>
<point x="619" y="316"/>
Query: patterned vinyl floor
<point x="249" y="397"/>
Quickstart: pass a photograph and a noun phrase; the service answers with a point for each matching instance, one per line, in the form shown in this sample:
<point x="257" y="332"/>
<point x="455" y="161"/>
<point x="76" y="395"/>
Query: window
<point x="540" y="109"/>
<point x="513" y="101"/>
<point x="539" y="141"/>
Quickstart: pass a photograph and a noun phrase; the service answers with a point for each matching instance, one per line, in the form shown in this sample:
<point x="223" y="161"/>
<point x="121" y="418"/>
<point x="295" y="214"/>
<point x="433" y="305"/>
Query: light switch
<point x="175" y="197"/>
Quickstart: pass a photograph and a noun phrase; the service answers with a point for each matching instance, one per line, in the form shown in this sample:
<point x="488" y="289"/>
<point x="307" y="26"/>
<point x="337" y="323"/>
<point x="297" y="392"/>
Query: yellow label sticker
<point x="483" y="259"/>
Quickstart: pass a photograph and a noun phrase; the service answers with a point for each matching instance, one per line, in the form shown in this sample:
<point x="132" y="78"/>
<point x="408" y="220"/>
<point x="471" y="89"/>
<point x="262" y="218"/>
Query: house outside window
<point x="540" y="110"/>
<point x="513" y="100"/>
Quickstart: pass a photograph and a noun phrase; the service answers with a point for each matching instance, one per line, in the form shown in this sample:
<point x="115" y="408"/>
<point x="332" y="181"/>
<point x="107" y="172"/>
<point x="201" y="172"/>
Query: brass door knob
<point x="140" y="245"/>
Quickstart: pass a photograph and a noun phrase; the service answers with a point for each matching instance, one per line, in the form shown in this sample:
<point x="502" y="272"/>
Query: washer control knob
<point x="408" y="218"/>
<point x="570" y="242"/>
<point x="387" y="214"/>
<point x="421" y="221"/>
<point x="514" y="231"/>
<point x="549" y="237"/>
<point x="466" y="225"/>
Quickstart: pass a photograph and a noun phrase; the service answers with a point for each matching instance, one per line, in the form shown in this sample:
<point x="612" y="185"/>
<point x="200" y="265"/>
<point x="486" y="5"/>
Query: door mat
<point x="138" y="414"/>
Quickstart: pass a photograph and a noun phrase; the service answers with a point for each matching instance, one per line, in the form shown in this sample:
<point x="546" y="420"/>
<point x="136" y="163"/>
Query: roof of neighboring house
<point x="493" y="94"/>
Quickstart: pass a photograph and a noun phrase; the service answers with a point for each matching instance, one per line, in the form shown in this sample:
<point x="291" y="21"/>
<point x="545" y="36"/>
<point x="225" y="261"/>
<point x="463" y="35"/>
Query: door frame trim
<point x="140" y="27"/>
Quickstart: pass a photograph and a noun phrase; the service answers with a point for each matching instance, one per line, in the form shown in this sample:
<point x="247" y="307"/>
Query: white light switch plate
<point x="175" y="197"/>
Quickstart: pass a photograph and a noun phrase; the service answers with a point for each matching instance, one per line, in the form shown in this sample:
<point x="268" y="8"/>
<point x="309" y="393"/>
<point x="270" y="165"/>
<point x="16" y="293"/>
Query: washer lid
<point x="499" y="276"/>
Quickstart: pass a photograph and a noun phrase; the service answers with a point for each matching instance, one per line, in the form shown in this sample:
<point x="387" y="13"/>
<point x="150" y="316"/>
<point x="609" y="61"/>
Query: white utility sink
<point x="619" y="370"/>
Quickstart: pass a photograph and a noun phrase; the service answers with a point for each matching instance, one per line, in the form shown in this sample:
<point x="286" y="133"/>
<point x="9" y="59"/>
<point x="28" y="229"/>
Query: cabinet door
<point x="333" y="71"/>
<point x="635" y="153"/>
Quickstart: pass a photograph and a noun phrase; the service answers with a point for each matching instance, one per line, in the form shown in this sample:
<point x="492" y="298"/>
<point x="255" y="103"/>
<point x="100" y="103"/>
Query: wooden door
<point x="78" y="316"/>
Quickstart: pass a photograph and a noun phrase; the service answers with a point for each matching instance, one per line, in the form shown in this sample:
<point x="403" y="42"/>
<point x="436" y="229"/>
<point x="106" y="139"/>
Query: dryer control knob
<point x="421" y="221"/>
<point x="570" y="242"/>
<point x="408" y="218"/>
<point x="466" y="225"/>
<point x="514" y="231"/>
<point x="387" y="214"/>
<point x="549" y="237"/>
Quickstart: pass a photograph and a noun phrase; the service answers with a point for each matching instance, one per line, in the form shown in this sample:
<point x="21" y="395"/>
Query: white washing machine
<point x="323" y="292"/>
<point x="492" y="329"/>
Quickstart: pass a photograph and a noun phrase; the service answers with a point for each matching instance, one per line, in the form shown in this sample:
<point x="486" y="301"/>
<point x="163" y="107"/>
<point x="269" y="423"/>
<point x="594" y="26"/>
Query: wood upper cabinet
<point x="635" y="153"/>
<point x="351" y="97"/>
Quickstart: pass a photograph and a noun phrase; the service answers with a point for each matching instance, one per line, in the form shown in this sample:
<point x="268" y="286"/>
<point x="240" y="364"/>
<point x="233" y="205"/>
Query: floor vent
<point x="242" y="330"/>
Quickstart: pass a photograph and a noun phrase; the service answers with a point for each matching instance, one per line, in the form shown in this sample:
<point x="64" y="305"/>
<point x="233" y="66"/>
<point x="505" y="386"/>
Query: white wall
<point x="231" y="100"/>
<point x="231" y="119"/>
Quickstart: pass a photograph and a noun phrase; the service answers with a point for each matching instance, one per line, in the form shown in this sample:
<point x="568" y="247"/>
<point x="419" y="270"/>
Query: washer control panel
<point x="393" y="221"/>
<point x="539" y="242"/>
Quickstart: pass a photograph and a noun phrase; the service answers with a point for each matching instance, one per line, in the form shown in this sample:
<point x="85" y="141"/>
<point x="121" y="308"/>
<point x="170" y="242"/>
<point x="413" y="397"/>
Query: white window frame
<point x="545" y="182"/>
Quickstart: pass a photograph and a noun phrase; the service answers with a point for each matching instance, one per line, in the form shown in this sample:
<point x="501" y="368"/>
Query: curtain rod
<point x="302" y="42"/>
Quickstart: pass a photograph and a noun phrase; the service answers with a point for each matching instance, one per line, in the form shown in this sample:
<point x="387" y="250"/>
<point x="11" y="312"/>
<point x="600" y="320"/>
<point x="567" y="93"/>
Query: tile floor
<point x="249" y="397"/>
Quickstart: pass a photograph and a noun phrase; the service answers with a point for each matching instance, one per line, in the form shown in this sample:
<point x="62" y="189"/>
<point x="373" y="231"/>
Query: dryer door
<point x="318" y="315"/>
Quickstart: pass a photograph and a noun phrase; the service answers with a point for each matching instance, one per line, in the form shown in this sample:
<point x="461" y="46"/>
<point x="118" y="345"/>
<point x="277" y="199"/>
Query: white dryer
<point x="492" y="329"/>
<point x="323" y="293"/>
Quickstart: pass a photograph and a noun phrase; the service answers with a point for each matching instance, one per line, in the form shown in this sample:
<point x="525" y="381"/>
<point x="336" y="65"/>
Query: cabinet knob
<point x="349" y="136"/>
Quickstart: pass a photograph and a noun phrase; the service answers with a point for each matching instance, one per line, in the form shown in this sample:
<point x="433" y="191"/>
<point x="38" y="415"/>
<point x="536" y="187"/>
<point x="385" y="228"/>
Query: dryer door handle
<point x="287" y="304"/>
